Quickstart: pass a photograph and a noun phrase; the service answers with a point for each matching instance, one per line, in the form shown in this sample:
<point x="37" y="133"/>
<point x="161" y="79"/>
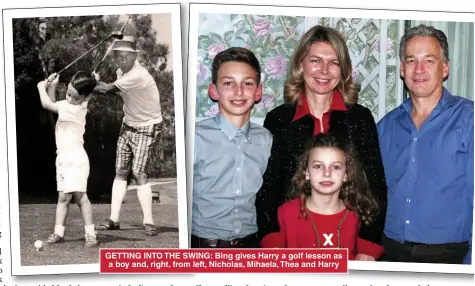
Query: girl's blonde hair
<point x="295" y="82"/>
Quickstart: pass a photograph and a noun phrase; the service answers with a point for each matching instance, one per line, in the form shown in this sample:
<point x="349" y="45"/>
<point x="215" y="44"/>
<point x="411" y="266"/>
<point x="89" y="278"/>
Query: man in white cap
<point x="140" y="129"/>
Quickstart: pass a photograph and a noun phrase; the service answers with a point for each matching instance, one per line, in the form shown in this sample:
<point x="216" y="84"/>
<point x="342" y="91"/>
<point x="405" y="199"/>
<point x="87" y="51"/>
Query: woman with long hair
<point x="320" y="97"/>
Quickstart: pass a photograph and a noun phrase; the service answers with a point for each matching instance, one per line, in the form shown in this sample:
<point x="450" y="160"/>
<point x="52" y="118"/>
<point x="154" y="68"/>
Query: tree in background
<point x="35" y="138"/>
<point x="70" y="37"/>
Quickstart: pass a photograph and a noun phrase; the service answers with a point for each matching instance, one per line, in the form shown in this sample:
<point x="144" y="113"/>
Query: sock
<point x="144" y="193"/>
<point x="59" y="230"/>
<point x="119" y="189"/>
<point x="89" y="229"/>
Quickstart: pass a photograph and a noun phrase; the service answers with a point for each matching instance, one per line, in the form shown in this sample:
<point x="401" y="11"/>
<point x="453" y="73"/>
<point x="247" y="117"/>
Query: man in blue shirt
<point x="427" y="150"/>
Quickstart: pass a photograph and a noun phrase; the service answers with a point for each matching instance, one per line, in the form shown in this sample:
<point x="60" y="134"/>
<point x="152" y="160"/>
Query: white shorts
<point x="72" y="171"/>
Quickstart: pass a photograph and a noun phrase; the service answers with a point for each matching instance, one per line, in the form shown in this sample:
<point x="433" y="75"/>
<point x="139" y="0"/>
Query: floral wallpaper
<point x="273" y="40"/>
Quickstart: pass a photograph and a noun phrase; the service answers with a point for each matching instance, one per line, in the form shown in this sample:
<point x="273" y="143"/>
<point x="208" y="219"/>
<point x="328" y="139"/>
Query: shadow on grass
<point x="107" y="238"/>
<point x="160" y="229"/>
<point x="164" y="229"/>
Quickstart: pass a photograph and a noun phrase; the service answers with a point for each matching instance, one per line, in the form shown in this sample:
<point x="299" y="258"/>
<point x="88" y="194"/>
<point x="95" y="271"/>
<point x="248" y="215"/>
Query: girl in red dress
<point x="329" y="201"/>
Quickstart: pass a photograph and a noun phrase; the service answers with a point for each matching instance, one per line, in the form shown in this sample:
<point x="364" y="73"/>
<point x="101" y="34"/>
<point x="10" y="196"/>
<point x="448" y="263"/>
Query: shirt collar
<point x="231" y="131"/>
<point x="445" y="100"/>
<point x="303" y="109"/>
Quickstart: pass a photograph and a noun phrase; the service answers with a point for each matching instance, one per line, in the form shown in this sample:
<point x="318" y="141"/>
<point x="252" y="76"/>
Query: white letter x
<point x="328" y="239"/>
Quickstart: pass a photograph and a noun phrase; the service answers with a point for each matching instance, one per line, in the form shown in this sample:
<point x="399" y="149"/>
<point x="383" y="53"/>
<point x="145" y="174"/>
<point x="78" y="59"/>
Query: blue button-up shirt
<point x="229" y="163"/>
<point x="429" y="173"/>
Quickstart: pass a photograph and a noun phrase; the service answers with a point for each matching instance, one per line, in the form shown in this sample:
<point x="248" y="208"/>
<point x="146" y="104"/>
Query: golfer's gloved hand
<point x="53" y="78"/>
<point x="96" y="76"/>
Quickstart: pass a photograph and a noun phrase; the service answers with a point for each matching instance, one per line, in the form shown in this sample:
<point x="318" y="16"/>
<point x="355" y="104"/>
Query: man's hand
<point x="100" y="87"/>
<point x="364" y="257"/>
<point x="103" y="87"/>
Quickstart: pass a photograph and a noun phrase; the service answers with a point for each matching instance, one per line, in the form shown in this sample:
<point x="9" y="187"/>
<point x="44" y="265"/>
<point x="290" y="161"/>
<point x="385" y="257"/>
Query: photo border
<point x="61" y="11"/>
<point x="196" y="8"/>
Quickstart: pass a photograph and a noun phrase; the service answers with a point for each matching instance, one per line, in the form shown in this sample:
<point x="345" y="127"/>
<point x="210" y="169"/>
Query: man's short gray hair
<point x="425" y="31"/>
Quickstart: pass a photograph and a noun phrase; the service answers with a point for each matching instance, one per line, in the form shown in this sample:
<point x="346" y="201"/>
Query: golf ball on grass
<point x="39" y="245"/>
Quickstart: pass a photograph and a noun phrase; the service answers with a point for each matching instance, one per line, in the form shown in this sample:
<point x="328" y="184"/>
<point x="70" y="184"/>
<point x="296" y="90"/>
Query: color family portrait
<point x="332" y="128"/>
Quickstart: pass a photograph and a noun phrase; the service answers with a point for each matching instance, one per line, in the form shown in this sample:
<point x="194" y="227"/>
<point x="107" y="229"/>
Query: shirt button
<point x="238" y="169"/>
<point x="410" y="179"/>
<point x="408" y="222"/>
<point x="245" y="140"/>
<point x="239" y="147"/>
<point x="408" y="200"/>
<point x="238" y="230"/>
<point x="413" y="159"/>
<point x="235" y="211"/>
<point x="238" y="191"/>
<point x="415" y="139"/>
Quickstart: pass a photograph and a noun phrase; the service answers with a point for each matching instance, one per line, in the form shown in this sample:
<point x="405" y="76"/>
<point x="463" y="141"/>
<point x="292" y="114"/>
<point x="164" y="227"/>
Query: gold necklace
<point x="338" y="228"/>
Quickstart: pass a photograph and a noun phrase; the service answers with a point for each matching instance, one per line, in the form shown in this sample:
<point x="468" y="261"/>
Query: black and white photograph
<point x="95" y="133"/>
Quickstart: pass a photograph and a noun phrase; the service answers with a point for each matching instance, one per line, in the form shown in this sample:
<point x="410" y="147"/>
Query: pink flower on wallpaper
<point x="212" y="111"/>
<point x="261" y="27"/>
<point x="354" y="72"/>
<point x="203" y="71"/>
<point x="389" y="45"/>
<point x="276" y="66"/>
<point x="266" y="102"/>
<point x="214" y="49"/>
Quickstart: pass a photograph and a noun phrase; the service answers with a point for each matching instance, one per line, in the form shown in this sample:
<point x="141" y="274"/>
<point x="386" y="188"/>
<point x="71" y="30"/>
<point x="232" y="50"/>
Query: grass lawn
<point x="37" y="222"/>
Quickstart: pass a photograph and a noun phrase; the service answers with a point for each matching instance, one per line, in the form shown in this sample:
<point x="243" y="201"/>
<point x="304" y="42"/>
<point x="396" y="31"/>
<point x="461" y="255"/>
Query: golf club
<point x="117" y="35"/>
<point x="112" y="44"/>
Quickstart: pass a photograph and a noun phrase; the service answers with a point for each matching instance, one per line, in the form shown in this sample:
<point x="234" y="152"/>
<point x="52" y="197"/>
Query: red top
<point x="303" y="109"/>
<point x="298" y="232"/>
